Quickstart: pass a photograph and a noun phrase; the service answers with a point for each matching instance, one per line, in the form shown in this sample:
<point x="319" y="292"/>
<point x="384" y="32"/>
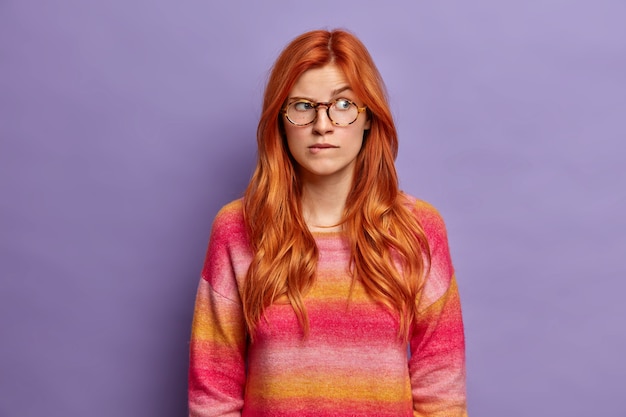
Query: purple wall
<point x="125" y="125"/>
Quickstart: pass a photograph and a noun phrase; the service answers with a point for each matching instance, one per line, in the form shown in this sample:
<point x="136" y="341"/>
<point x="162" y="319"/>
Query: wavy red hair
<point x="389" y="248"/>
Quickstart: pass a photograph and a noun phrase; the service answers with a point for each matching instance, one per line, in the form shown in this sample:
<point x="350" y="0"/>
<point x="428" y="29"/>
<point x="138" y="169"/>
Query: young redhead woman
<point x="325" y="290"/>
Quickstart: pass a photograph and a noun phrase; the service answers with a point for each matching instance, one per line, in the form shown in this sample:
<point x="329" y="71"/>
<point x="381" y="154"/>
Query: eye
<point x="302" y="105"/>
<point x="343" y="104"/>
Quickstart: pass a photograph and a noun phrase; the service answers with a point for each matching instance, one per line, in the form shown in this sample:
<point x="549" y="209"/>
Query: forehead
<point x="319" y="83"/>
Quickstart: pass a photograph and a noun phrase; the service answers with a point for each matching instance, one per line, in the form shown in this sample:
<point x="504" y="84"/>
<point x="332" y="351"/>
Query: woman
<point x="320" y="279"/>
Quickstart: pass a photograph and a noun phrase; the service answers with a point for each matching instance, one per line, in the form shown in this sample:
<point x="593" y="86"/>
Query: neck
<point x="323" y="203"/>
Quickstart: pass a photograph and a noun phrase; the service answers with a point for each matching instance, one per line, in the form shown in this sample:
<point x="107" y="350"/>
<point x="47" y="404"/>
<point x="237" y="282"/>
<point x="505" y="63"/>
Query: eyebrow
<point x="332" y="94"/>
<point x="340" y="90"/>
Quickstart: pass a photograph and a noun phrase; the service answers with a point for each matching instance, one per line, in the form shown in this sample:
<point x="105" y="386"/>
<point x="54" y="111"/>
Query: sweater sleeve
<point x="437" y="363"/>
<point x="218" y="337"/>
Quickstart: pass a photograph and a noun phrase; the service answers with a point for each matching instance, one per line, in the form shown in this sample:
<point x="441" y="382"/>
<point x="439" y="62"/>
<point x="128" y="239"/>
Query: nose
<point x="322" y="123"/>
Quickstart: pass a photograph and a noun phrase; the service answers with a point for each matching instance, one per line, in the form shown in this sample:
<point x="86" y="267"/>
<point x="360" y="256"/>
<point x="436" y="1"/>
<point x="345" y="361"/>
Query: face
<point x="321" y="149"/>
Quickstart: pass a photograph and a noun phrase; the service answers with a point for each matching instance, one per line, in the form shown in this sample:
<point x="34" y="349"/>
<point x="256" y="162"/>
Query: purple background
<point x="125" y="125"/>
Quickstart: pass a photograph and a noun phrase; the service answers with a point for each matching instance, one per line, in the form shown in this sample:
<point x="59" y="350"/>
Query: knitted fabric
<point x="351" y="364"/>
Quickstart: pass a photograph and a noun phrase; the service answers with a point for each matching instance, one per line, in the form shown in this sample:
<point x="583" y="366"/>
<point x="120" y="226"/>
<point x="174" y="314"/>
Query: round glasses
<point x="341" y="112"/>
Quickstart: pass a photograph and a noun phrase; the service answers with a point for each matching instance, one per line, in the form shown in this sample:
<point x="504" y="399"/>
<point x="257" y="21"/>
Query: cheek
<point x="292" y="139"/>
<point x="358" y="140"/>
<point x="358" y="146"/>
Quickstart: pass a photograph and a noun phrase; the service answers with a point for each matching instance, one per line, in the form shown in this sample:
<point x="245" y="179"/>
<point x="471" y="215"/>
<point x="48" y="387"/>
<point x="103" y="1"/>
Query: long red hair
<point x="389" y="250"/>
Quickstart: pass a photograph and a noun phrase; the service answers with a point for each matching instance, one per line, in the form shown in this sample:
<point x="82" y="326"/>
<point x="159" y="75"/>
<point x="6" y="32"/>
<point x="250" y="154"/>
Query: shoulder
<point x="428" y="217"/>
<point x="440" y="270"/>
<point x="229" y="224"/>
<point x="230" y="215"/>
<point x="227" y="250"/>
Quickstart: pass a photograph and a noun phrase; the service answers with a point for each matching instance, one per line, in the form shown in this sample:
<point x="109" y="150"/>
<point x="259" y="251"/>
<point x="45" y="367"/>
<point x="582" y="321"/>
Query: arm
<point x="218" y="337"/>
<point x="437" y="364"/>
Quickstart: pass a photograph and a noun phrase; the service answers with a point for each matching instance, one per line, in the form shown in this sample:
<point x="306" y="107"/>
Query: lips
<point x="319" y="148"/>
<point x="322" y="146"/>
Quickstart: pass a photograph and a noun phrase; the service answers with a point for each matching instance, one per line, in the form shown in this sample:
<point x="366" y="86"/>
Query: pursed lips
<point x="322" y="146"/>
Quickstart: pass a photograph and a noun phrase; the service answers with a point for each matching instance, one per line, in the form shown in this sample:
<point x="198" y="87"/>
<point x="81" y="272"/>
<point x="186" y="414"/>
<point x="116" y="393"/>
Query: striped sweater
<point x="352" y="363"/>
